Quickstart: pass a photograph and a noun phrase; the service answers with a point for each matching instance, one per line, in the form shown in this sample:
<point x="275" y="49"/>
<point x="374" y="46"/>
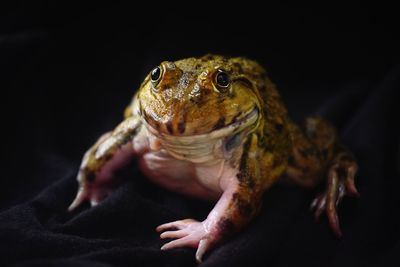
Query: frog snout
<point x="176" y="124"/>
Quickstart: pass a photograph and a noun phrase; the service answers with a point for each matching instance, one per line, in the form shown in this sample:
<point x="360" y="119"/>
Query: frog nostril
<point x="181" y="127"/>
<point x="169" y="126"/>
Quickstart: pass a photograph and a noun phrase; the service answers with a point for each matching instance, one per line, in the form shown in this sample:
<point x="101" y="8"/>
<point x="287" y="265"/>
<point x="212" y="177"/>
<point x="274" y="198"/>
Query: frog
<point x="215" y="128"/>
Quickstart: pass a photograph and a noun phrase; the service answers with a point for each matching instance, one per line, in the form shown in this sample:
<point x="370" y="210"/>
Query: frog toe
<point x="318" y="205"/>
<point x="93" y="195"/>
<point x="173" y="234"/>
<point x="81" y="197"/>
<point x="349" y="182"/>
<point x="186" y="241"/>
<point x="181" y="224"/>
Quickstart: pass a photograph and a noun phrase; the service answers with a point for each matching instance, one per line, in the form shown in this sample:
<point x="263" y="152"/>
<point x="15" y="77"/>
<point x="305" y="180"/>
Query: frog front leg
<point x="113" y="150"/>
<point x="234" y="210"/>
<point x="236" y="207"/>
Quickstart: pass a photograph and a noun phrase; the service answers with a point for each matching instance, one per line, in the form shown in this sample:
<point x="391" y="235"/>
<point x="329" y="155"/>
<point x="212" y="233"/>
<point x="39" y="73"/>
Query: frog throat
<point x="202" y="148"/>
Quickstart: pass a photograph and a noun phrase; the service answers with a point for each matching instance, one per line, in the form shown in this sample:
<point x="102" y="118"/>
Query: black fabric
<point x="68" y="73"/>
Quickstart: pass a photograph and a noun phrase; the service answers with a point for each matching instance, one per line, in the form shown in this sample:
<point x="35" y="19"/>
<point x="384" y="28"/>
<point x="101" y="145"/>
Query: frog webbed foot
<point x="186" y="233"/>
<point x="339" y="184"/>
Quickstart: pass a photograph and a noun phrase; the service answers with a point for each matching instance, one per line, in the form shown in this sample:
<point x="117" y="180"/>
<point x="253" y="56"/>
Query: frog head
<point x="200" y="96"/>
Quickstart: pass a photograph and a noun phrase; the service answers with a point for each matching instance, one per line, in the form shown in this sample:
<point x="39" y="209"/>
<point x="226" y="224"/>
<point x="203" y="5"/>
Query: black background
<point x="68" y="71"/>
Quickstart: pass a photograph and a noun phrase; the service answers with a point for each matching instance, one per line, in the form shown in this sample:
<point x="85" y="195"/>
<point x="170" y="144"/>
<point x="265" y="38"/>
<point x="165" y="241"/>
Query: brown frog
<point x="215" y="128"/>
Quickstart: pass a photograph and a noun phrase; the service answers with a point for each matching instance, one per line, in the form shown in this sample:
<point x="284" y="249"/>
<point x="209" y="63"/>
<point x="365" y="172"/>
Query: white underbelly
<point x="199" y="180"/>
<point x="160" y="165"/>
<point x="192" y="166"/>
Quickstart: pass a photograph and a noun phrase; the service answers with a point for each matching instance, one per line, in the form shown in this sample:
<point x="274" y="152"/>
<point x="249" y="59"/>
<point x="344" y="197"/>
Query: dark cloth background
<point x="68" y="71"/>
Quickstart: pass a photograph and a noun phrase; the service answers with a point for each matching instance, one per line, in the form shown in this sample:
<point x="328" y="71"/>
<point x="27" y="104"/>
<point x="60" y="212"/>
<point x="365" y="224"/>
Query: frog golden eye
<point x="156" y="74"/>
<point x="222" y="80"/>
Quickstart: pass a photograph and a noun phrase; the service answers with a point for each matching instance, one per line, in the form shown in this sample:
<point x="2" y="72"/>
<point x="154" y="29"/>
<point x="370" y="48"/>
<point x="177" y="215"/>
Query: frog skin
<point x="215" y="128"/>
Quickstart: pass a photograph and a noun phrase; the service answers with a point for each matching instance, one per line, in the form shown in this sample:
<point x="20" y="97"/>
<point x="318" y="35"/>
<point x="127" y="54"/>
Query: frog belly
<point x="181" y="176"/>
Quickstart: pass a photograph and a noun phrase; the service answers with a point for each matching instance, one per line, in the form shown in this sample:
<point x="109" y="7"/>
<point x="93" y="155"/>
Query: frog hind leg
<point x="318" y="154"/>
<point x="340" y="182"/>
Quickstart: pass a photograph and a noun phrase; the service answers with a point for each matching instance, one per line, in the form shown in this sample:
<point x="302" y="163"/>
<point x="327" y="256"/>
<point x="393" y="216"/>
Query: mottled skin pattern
<point x="232" y="141"/>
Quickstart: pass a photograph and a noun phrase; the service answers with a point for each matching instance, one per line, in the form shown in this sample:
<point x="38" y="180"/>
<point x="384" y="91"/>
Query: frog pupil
<point x="155" y="74"/>
<point x="222" y="79"/>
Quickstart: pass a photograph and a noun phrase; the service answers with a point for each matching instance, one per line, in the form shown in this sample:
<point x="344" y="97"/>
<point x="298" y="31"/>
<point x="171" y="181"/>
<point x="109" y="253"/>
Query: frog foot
<point x="339" y="184"/>
<point x="92" y="192"/>
<point x="187" y="233"/>
<point x="94" y="196"/>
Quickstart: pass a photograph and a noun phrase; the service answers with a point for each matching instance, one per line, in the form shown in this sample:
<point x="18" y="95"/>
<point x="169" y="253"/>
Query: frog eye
<point x="155" y="75"/>
<point x="222" y="80"/>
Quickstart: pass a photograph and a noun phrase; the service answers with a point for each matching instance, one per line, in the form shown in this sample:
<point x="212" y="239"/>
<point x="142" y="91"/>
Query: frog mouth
<point x="244" y="122"/>
<point x="248" y="119"/>
<point x="207" y="147"/>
